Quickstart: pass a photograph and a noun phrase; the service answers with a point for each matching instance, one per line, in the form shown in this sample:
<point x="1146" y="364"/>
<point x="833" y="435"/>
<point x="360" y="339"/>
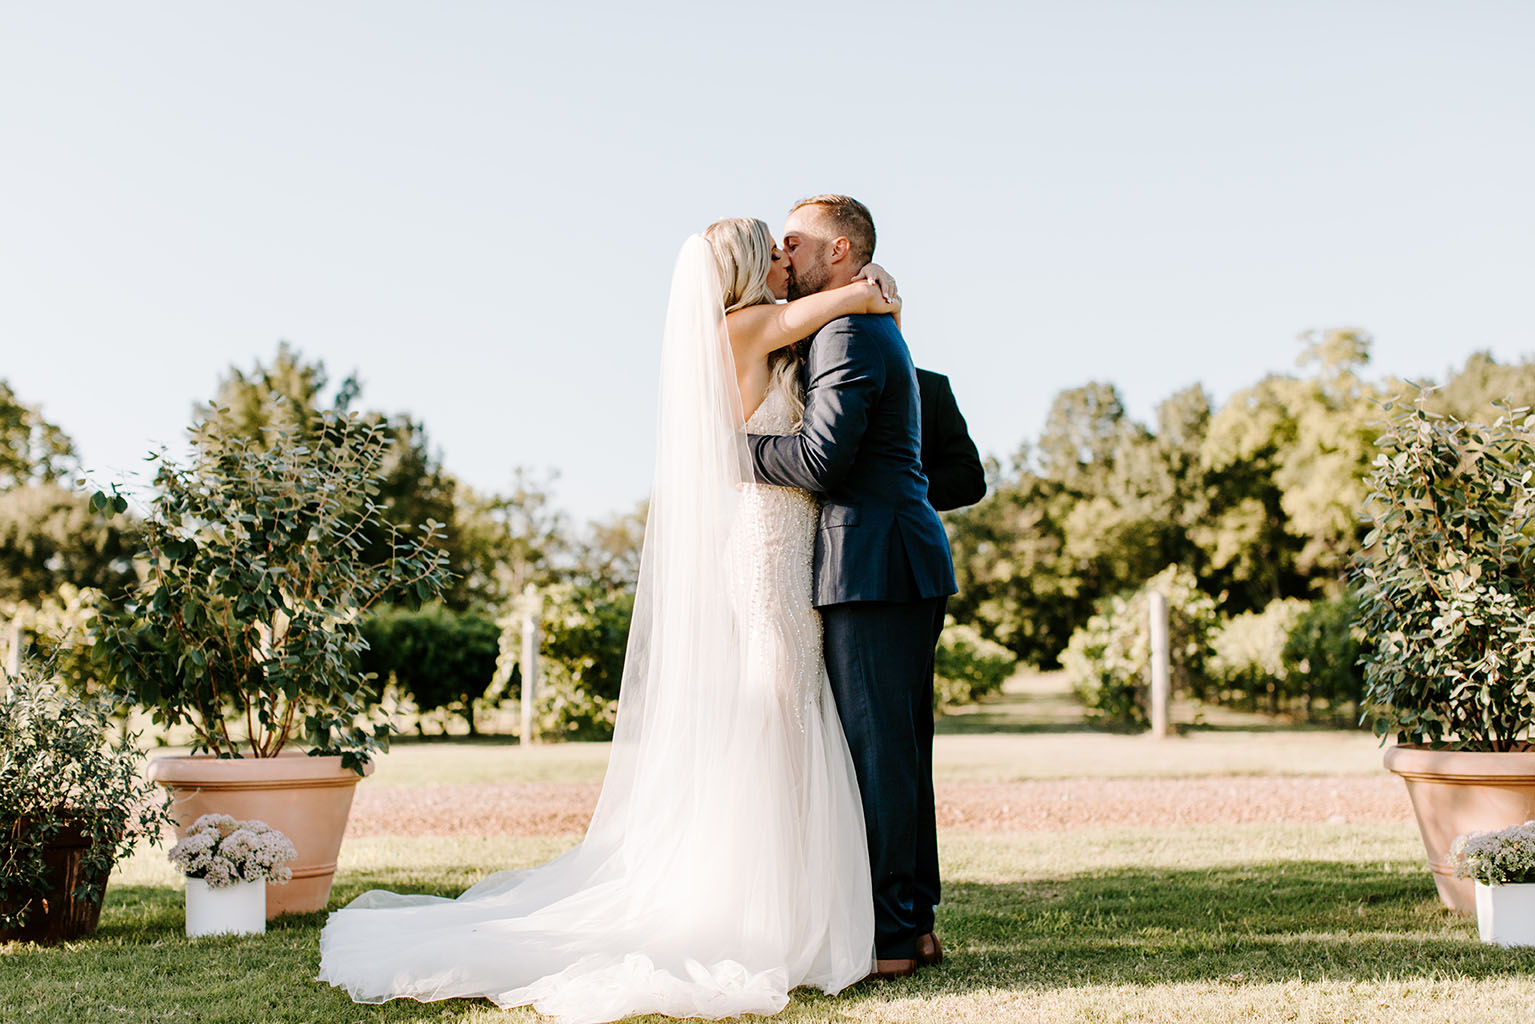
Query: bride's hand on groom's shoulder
<point x="879" y="304"/>
<point x="884" y="296"/>
<point x="880" y="277"/>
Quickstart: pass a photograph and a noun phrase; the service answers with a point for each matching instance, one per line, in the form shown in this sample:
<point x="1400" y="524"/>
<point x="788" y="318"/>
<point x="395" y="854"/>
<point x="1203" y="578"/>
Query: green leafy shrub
<point x="56" y="629"/>
<point x="59" y="774"/>
<point x="1247" y="666"/>
<point x="567" y="712"/>
<point x="1322" y="656"/>
<point x="441" y="658"/>
<point x="1293" y="657"/>
<point x="968" y="667"/>
<point x="1446" y="582"/>
<point x="584" y="632"/>
<point x="1108" y="660"/>
<point x="52" y="536"/>
<point x="247" y="625"/>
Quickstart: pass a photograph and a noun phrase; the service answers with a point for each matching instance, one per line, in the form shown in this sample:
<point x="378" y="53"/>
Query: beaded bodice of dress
<point x="772" y="415"/>
<point x="772" y="552"/>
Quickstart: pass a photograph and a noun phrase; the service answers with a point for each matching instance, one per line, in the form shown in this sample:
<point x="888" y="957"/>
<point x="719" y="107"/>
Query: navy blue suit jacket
<point x="860" y="451"/>
<point x="955" y="476"/>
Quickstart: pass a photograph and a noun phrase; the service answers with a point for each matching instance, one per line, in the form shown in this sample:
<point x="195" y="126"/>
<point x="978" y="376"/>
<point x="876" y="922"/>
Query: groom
<point x="882" y="568"/>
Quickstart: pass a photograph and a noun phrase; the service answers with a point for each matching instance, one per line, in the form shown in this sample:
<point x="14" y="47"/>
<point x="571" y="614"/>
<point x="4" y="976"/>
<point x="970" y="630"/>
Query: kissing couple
<point x="767" y="819"/>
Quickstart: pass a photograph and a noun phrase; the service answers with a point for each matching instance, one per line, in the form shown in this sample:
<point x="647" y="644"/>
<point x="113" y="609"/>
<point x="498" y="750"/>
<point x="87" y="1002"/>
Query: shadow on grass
<point x="483" y="739"/>
<point x="1277" y="922"/>
<point x="1313" y="920"/>
<point x="1276" y="725"/>
<point x="1021" y="714"/>
<point x="1008" y="721"/>
<point x="993" y="724"/>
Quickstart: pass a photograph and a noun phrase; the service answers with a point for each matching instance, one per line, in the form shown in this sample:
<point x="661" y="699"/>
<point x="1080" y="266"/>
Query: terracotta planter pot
<point x="1455" y="791"/>
<point x="59" y="917"/>
<point x="308" y="799"/>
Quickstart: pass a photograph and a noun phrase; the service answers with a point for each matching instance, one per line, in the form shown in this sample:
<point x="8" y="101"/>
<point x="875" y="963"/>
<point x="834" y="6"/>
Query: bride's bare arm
<point x="757" y="330"/>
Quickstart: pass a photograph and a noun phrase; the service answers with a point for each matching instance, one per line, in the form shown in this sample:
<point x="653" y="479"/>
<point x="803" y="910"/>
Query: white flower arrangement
<point x="223" y="851"/>
<point x="1505" y="857"/>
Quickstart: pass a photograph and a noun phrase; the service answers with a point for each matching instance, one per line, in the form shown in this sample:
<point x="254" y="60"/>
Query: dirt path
<point x="557" y="808"/>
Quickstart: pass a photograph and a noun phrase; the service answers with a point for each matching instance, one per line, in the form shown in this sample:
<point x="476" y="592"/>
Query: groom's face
<point x="805" y="242"/>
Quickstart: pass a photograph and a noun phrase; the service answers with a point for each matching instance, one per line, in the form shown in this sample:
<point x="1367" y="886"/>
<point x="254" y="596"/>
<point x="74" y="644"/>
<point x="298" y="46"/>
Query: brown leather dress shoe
<point x="889" y="970"/>
<point x="929" y="950"/>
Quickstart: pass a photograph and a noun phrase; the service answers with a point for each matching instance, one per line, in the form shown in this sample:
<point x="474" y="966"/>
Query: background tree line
<point x="59" y="559"/>
<point x="1255" y="505"/>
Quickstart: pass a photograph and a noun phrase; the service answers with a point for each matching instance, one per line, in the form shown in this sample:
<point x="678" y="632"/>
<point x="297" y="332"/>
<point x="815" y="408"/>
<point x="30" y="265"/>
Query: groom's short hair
<point x="853" y="222"/>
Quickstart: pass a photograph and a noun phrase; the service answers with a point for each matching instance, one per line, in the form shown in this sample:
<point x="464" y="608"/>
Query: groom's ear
<point x="840" y="248"/>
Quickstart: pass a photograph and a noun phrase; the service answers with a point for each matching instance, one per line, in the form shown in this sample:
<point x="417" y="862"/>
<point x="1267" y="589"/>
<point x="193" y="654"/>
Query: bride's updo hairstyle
<point x="743" y="252"/>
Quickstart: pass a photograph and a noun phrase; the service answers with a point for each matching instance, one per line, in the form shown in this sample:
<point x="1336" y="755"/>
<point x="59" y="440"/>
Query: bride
<point x="725" y="863"/>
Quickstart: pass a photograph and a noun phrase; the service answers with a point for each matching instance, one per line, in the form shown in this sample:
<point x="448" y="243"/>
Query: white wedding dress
<point x="726" y="861"/>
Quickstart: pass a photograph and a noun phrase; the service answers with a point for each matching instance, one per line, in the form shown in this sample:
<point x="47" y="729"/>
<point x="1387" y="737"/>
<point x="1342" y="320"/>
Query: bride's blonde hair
<point x="743" y="253"/>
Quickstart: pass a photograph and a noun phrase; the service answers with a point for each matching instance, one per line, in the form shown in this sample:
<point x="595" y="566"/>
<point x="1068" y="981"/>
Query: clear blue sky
<point x="476" y="205"/>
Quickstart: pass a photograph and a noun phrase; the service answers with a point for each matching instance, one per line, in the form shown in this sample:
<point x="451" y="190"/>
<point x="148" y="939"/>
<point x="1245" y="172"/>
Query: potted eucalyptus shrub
<point x="72" y="803"/>
<point x="246" y="626"/>
<point x="1446" y="585"/>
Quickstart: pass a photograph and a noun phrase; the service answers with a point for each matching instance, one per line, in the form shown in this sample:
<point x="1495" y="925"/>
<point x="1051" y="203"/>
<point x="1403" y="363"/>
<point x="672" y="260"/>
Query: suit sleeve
<point x="955" y="476"/>
<point x="846" y="377"/>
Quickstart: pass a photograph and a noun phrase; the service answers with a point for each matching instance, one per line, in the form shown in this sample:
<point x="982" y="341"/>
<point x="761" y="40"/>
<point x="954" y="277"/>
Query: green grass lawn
<point x="1251" y="923"/>
<point x="1310" y="923"/>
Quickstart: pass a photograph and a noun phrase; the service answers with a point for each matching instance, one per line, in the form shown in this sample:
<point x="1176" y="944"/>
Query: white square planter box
<point x="1505" y="914"/>
<point x="238" y="909"/>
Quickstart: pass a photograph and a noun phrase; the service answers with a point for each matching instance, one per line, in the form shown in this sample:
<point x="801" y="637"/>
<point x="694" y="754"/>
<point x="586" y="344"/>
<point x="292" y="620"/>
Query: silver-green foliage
<point x="247" y="624"/>
<point x="1447" y="580"/>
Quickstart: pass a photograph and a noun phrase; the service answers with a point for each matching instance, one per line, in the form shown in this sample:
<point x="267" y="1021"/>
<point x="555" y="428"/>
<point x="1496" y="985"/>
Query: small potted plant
<point x="72" y="803"/>
<point x="1446" y="584"/>
<point x="228" y="865"/>
<point x="1502" y="864"/>
<point x="247" y="627"/>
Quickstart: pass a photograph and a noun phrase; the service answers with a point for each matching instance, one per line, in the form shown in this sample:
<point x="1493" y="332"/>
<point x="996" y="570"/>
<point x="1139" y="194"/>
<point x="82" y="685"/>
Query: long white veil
<point x="684" y="661"/>
<point x="682" y="897"/>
